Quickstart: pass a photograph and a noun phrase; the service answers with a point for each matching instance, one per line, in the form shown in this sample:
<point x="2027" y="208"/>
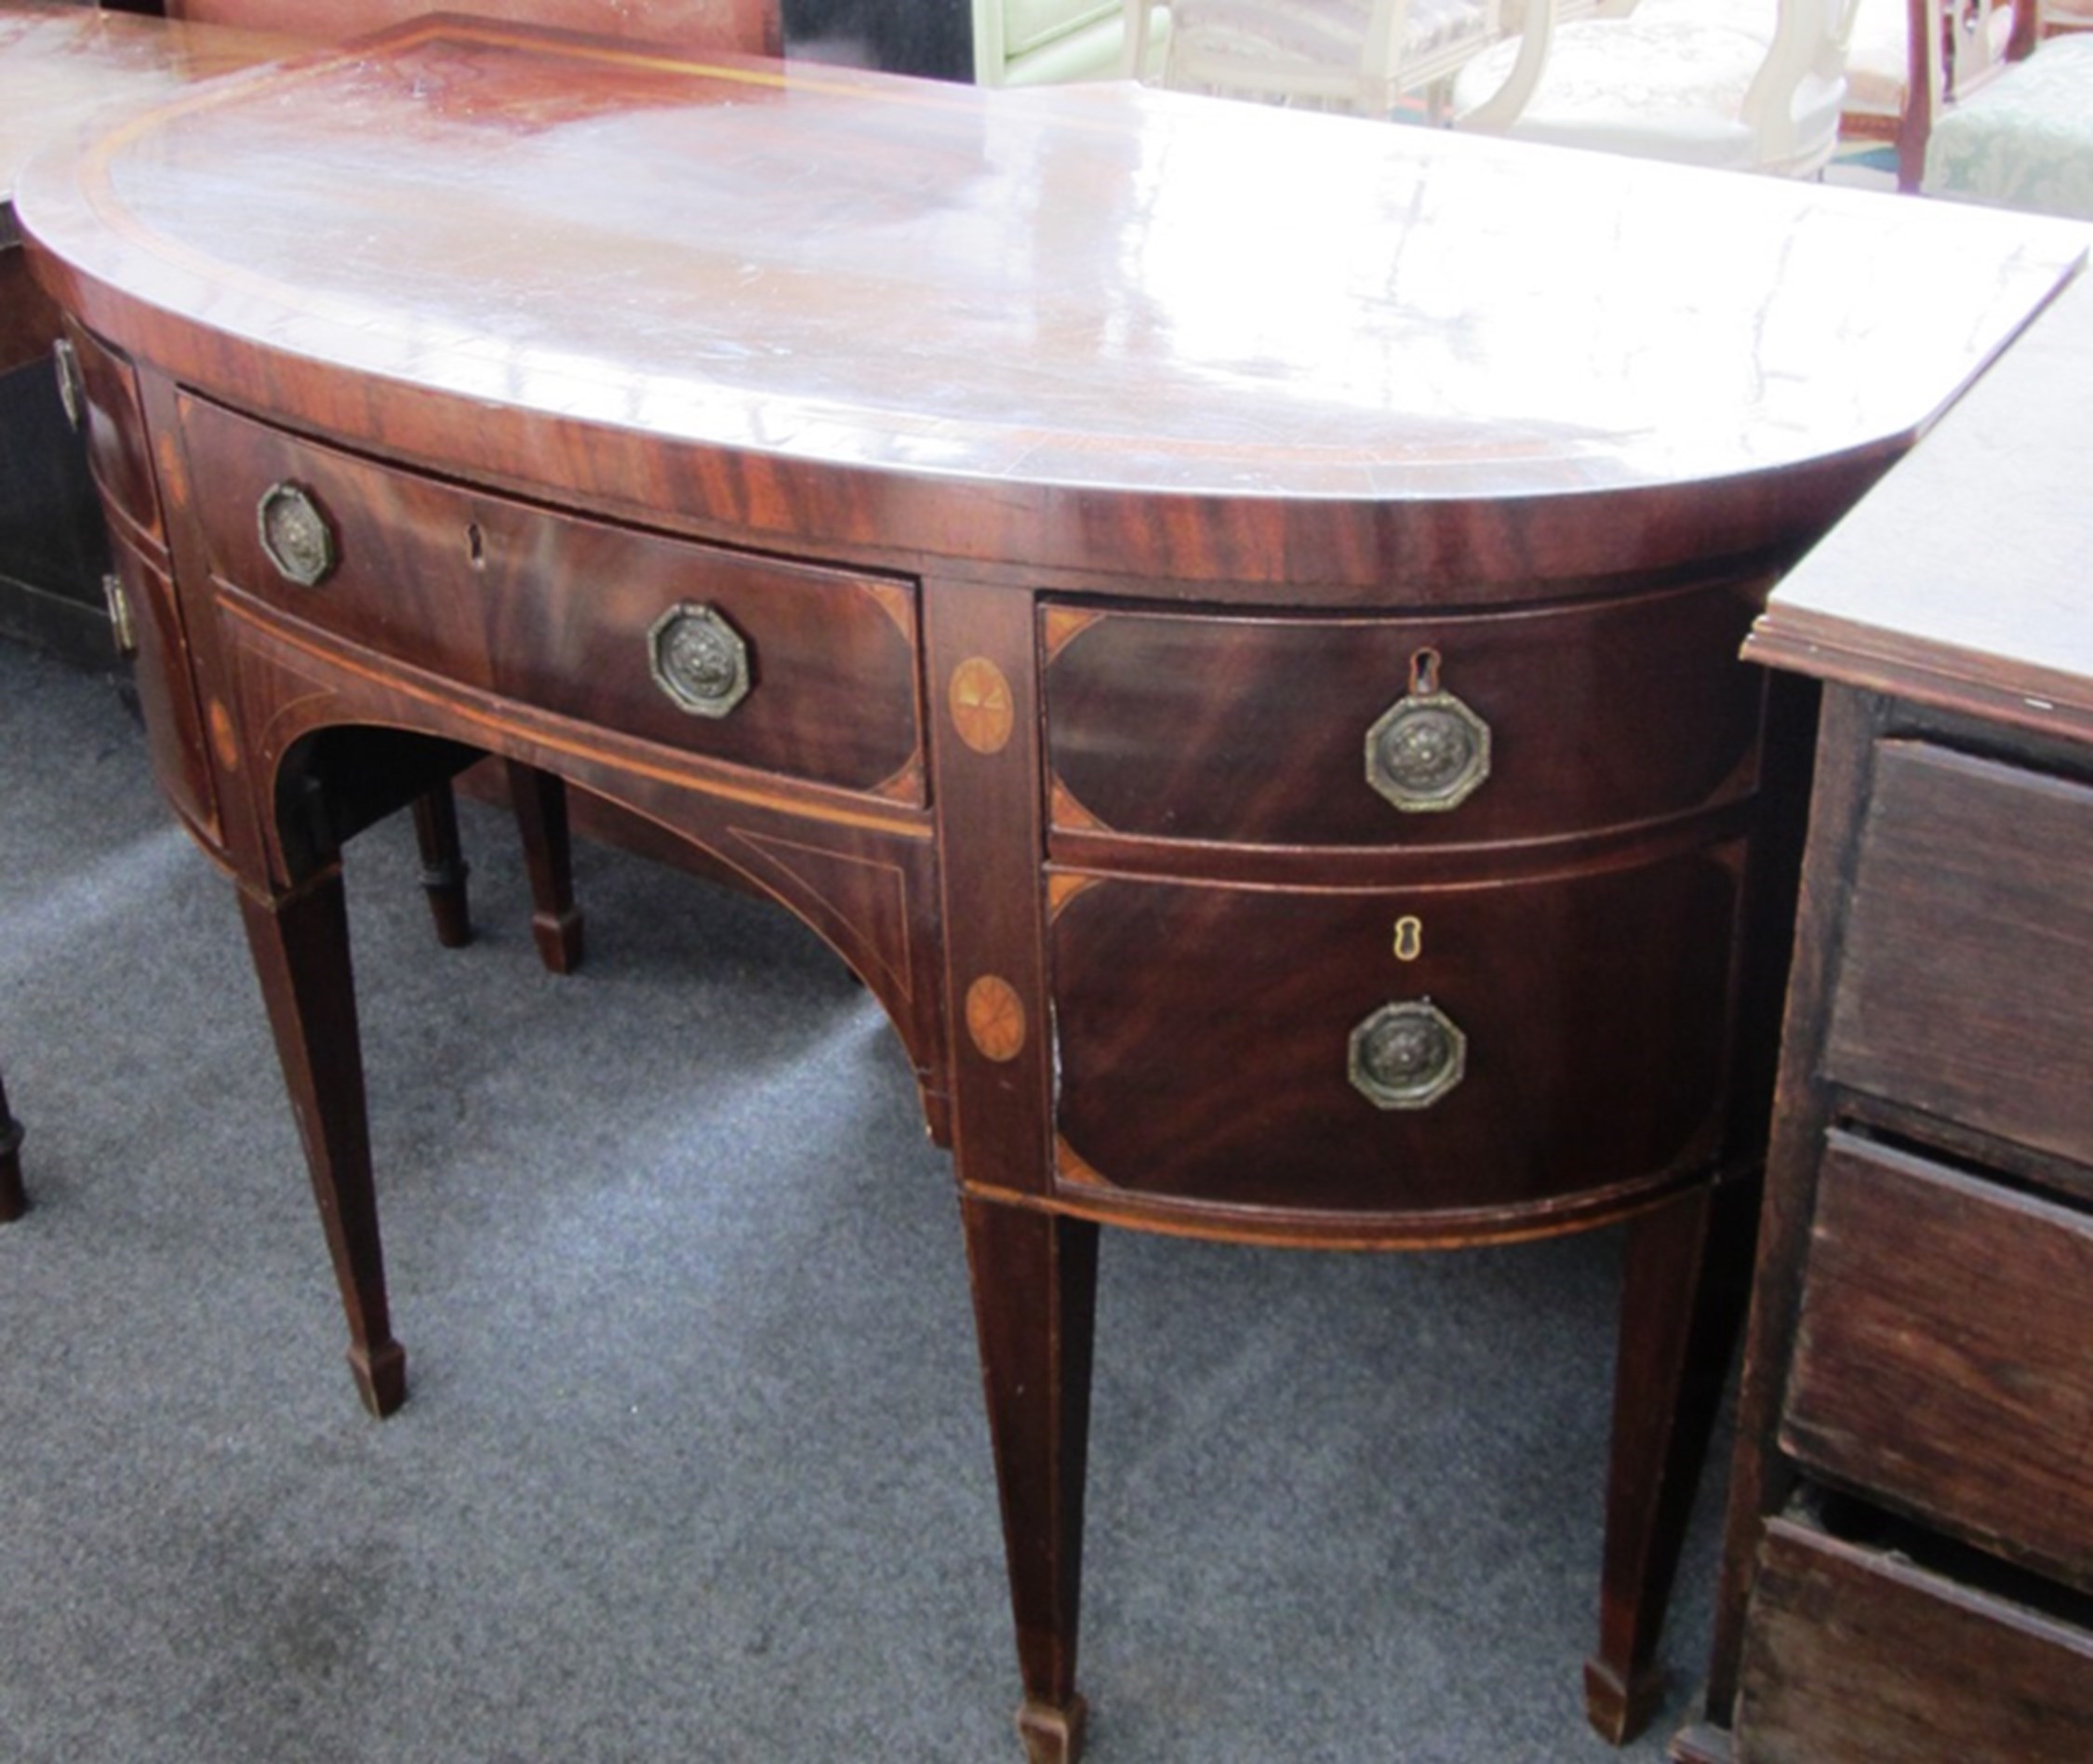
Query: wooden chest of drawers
<point x="1909" y="1558"/>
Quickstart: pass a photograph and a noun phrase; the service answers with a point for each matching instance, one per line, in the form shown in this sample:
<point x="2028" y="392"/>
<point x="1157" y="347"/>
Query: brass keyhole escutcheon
<point x="1409" y="938"/>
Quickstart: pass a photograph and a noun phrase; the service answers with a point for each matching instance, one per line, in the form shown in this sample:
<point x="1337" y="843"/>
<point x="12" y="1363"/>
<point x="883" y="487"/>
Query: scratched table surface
<point x="1064" y="287"/>
<point x="61" y="66"/>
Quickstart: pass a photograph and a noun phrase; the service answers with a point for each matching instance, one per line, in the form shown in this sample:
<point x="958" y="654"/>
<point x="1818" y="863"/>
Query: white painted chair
<point x="1967" y="42"/>
<point x="1358" y="56"/>
<point x="1673" y="80"/>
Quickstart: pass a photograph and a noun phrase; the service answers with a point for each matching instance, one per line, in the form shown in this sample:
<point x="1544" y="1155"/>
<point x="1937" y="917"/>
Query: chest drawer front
<point x="1258" y="730"/>
<point x="813" y="670"/>
<point x="1967" y="968"/>
<point x="1244" y="1046"/>
<point x="1857" y="1657"/>
<point x="1944" y="1355"/>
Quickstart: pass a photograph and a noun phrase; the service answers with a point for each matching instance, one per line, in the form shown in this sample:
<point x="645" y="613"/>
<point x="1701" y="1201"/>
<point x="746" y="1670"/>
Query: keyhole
<point x="1409" y="938"/>
<point x="475" y="545"/>
<point x="1424" y="673"/>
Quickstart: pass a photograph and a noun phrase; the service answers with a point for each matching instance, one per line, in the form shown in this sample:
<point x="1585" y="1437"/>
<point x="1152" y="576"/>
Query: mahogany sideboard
<point x="1225" y="620"/>
<point x="1909" y="1561"/>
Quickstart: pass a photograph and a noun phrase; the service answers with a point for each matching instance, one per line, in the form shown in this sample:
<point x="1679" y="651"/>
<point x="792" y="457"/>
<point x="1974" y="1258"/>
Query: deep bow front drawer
<point x="1426" y="1052"/>
<point x="787" y="667"/>
<point x="1423" y="730"/>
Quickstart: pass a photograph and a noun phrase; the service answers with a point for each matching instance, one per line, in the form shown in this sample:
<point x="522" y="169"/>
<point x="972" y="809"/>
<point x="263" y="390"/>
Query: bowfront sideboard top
<point x="1052" y="303"/>
<point x="1227" y="621"/>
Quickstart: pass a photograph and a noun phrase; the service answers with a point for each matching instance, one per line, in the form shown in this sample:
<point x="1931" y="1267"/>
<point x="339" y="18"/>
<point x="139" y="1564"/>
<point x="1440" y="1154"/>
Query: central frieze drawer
<point x="1274" y="731"/>
<point x="1943" y="1357"/>
<point x="1969" y="952"/>
<point x="1211" y="1038"/>
<point x="788" y="667"/>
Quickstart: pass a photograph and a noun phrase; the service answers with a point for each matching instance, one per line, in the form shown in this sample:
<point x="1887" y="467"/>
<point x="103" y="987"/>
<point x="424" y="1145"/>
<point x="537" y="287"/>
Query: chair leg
<point x="1683" y="1298"/>
<point x="299" y="943"/>
<point x="540" y="800"/>
<point x="14" y="1199"/>
<point x="443" y="868"/>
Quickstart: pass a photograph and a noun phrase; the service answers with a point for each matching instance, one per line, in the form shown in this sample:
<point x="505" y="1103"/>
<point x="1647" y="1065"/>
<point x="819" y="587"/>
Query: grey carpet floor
<point x="694" y="1467"/>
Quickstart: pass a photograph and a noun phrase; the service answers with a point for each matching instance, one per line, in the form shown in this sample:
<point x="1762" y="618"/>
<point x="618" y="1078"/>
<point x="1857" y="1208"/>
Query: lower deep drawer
<point x="1857" y="1655"/>
<point x="1275" y="1047"/>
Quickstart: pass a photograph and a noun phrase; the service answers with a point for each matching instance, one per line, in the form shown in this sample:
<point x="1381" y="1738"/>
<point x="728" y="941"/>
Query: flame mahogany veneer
<point x="1101" y="518"/>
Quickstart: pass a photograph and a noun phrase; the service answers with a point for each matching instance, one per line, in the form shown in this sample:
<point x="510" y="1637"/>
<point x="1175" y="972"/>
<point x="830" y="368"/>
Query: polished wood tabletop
<point x="1046" y="297"/>
<point x="1226" y="618"/>
<point x="61" y="66"/>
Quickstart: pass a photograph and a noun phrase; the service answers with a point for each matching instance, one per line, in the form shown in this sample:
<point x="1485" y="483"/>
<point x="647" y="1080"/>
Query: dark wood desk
<point x="1909" y="1563"/>
<point x="1226" y="620"/>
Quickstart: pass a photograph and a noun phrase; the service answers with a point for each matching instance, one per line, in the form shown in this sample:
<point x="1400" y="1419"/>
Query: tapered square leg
<point x="1036" y="1279"/>
<point x="443" y="868"/>
<point x="539" y="802"/>
<point x="1683" y="1298"/>
<point x="14" y="1199"/>
<point x="300" y="943"/>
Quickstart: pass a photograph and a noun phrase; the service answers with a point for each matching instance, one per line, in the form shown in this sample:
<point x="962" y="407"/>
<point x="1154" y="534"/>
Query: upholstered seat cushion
<point x="2026" y="140"/>
<point x="1665" y="87"/>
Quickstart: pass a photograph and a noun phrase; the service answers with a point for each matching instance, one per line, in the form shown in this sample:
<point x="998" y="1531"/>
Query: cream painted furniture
<point x="1045" y="41"/>
<point x="1704" y="91"/>
<point x="1362" y="55"/>
<point x="1969" y="41"/>
<point x="2026" y="140"/>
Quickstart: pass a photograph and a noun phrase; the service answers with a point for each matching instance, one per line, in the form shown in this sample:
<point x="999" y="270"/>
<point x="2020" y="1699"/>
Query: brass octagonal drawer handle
<point x="1408" y="1055"/>
<point x="699" y="660"/>
<point x="1428" y="751"/>
<point x="296" y="536"/>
